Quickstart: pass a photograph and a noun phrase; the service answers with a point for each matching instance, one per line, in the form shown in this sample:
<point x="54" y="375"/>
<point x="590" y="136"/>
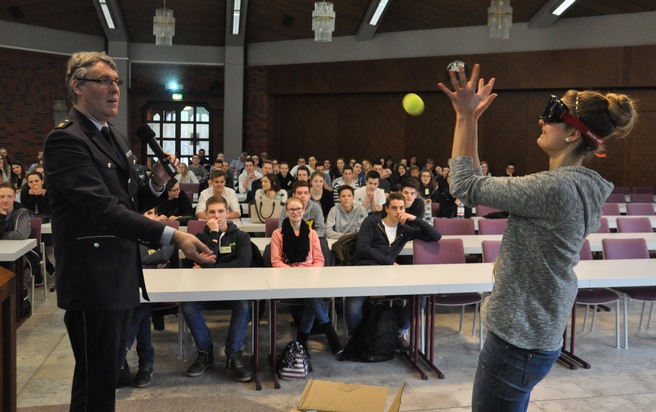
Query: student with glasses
<point x="551" y="213"/>
<point x="296" y="244"/>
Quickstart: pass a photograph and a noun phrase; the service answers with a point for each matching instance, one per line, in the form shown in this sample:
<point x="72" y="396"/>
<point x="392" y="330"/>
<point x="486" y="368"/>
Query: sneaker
<point x="239" y="372"/>
<point x="402" y="343"/>
<point x="203" y="361"/>
<point x="142" y="378"/>
<point x="38" y="280"/>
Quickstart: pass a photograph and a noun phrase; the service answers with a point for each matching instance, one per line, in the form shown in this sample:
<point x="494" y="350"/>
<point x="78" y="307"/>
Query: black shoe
<point x="239" y="372"/>
<point x="124" y="377"/>
<point x="402" y="344"/>
<point x="203" y="361"/>
<point x="38" y="281"/>
<point x="142" y="378"/>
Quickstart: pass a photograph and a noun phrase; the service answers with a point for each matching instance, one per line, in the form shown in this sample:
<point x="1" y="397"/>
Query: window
<point x="180" y="128"/>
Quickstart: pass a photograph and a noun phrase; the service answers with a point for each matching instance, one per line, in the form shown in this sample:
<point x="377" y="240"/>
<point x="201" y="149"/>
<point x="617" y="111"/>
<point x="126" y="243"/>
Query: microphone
<point x="147" y="136"/>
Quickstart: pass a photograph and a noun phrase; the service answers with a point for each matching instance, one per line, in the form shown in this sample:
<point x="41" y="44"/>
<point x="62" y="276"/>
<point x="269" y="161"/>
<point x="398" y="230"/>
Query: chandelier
<point x="164" y="26"/>
<point x="499" y="19"/>
<point x="323" y="21"/>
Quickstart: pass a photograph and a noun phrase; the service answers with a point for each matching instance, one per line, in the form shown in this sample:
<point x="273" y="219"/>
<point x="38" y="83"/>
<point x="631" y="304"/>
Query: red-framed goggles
<point x="557" y="112"/>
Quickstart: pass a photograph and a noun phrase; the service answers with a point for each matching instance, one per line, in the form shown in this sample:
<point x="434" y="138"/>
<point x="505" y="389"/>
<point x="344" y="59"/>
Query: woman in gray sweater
<point x="551" y="213"/>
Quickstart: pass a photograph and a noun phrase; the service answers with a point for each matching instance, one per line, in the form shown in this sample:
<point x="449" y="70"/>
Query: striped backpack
<point x="293" y="362"/>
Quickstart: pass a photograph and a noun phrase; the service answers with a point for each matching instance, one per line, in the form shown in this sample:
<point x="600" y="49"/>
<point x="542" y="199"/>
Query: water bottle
<point x="461" y="210"/>
<point x="428" y="210"/>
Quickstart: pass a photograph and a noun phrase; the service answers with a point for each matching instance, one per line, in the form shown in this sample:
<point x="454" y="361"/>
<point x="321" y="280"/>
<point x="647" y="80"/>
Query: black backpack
<point x="376" y="337"/>
<point x="343" y="250"/>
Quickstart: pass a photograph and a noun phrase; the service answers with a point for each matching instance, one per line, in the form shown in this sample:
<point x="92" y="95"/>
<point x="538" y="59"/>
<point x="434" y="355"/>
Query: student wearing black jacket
<point x="380" y="241"/>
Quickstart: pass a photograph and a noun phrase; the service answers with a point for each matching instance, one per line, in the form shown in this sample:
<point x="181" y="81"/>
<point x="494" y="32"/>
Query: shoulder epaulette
<point x="64" y="124"/>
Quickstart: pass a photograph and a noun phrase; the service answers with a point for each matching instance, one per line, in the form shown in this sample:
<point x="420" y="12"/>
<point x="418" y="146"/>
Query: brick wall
<point x="29" y="84"/>
<point x="258" y="114"/>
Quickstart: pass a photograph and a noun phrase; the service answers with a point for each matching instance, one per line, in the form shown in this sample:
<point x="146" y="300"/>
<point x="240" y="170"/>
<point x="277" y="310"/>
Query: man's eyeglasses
<point x="557" y="112"/>
<point x="105" y="81"/>
<point x="295" y="210"/>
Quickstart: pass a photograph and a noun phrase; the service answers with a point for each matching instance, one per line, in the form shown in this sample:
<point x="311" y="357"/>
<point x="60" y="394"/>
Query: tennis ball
<point x="413" y="104"/>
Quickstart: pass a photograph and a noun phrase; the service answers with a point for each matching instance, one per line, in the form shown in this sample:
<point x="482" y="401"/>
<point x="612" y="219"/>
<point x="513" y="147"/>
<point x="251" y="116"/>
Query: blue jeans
<point x="313" y="308"/>
<point x="237" y="331"/>
<point x="507" y="374"/>
<point x="140" y="329"/>
<point x="353" y="314"/>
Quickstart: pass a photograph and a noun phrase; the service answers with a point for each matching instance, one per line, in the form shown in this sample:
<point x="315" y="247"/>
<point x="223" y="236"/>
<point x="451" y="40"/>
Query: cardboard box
<point x="326" y="396"/>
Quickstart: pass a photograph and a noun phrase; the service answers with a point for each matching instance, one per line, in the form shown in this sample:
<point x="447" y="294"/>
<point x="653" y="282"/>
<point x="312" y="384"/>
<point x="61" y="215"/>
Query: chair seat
<point x="644" y="293"/>
<point x="457" y="299"/>
<point x="596" y="296"/>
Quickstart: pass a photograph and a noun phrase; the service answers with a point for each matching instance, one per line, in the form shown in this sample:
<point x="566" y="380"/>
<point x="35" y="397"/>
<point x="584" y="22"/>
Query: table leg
<point x="413" y="354"/>
<point x="272" y="342"/>
<point x="255" y="332"/>
<point x="567" y="356"/>
<point x="428" y="356"/>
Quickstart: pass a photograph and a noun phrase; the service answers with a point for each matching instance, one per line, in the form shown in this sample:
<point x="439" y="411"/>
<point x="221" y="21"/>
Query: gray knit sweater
<point x="551" y="213"/>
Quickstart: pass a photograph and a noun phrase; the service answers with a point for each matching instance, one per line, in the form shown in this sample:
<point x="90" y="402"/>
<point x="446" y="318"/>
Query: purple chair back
<point x="643" y="189"/>
<point x="586" y="252"/>
<point x="634" y="225"/>
<point x="603" y="225"/>
<point x="625" y="248"/>
<point x="35" y="231"/>
<point x="616" y="198"/>
<point x="196" y="226"/>
<point x="492" y="226"/>
<point x="454" y="226"/>
<point x="610" y="209"/>
<point x="270" y="224"/>
<point x="625" y="190"/>
<point x="435" y="208"/>
<point x="640" y="208"/>
<point x="444" y="251"/>
<point x="491" y="250"/>
<point x="482" y="210"/>
<point x="175" y="224"/>
<point x="190" y="187"/>
<point x="641" y="198"/>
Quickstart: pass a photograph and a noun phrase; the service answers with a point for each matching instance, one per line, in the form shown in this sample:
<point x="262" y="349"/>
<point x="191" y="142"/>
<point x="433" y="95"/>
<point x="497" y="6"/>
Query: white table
<point x="12" y="251"/>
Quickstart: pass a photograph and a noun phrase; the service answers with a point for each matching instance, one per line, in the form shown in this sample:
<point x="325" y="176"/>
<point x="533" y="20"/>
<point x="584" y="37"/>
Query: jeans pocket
<point x="538" y="365"/>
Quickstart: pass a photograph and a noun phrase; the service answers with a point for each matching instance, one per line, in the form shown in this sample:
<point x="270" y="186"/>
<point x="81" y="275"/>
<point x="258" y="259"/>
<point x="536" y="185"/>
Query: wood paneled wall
<point x="353" y="109"/>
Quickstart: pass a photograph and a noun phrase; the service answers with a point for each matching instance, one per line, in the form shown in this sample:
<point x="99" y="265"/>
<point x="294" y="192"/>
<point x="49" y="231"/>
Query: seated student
<point x="319" y="193"/>
<point x="249" y="174"/>
<point x="413" y="204"/>
<point x="267" y="169"/>
<point x="347" y="178"/>
<point x="18" y="176"/>
<point x="380" y="240"/>
<point x="303" y="173"/>
<point x="313" y="215"/>
<point x="358" y="173"/>
<point x="328" y="181"/>
<point x="199" y="170"/>
<point x="35" y="197"/>
<point x="427" y="186"/>
<point x="185" y="175"/>
<point x="176" y="205"/>
<point x="384" y="183"/>
<point x="232" y="248"/>
<point x="14" y="223"/>
<point x="271" y="189"/>
<point x="370" y="196"/>
<point x="295" y="244"/>
<point x="218" y="188"/>
<point x="285" y="178"/>
<point x="140" y="329"/>
<point x="346" y="216"/>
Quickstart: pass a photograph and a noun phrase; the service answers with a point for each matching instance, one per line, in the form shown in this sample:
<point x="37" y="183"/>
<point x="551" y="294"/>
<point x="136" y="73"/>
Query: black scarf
<point x="295" y="249"/>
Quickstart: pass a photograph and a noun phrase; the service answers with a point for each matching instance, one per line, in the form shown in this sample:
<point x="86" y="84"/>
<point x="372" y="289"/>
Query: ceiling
<point x="203" y="22"/>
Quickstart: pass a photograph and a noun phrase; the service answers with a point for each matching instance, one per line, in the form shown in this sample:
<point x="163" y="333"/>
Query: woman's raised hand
<point x="469" y="97"/>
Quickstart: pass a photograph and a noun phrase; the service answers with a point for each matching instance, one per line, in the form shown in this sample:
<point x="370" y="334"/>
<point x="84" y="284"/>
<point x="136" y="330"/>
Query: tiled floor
<point x="620" y="379"/>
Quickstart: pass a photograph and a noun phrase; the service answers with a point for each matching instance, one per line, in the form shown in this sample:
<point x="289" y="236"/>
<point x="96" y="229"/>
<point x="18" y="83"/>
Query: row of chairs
<point x="626" y="190"/>
<point x="633" y="198"/>
<point x="613" y="209"/>
<point x="592" y="298"/>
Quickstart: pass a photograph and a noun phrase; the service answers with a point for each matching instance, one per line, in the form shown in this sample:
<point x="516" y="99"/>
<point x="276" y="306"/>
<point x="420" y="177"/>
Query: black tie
<point x="107" y="134"/>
